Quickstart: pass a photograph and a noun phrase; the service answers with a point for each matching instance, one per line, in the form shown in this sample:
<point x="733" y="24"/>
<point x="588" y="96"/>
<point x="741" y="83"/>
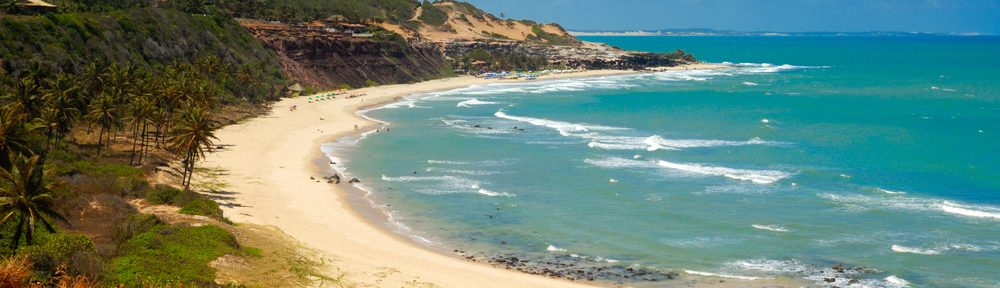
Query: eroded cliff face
<point x="326" y="59"/>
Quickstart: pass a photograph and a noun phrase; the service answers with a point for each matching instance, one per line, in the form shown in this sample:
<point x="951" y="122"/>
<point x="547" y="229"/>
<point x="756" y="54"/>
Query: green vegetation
<point x="139" y="41"/>
<point x="432" y="15"/>
<point x="502" y="61"/>
<point x="549" y="38"/>
<point x="166" y="255"/>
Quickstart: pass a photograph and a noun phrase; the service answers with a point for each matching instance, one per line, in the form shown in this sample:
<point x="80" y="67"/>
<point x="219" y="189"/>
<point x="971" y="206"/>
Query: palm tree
<point x="193" y="131"/>
<point x="60" y="96"/>
<point x="104" y="113"/>
<point x="14" y="133"/>
<point x="26" y="198"/>
<point x="141" y="112"/>
<point x="25" y="97"/>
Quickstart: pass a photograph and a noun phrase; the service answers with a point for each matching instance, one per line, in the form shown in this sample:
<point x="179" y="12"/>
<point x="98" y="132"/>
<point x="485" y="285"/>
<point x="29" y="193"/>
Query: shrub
<point x="202" y="206"/>
<point x="54" y="249"/>
<point x="167" y="255"/>
<point x="165" y="195"/>
<point x="370" y="83"/>
<point x="135" y="225"/>
<point x="14" y="271"/>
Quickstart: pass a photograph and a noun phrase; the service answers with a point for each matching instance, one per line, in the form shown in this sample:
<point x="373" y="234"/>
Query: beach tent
<point x="295" y="90"/>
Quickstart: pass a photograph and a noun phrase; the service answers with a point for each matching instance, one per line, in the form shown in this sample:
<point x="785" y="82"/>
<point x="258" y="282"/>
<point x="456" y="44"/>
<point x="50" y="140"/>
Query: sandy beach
<point x="268" y="162"/>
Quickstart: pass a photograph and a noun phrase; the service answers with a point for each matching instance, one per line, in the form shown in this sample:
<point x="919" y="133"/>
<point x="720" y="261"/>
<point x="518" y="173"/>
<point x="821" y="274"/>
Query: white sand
<point x="268" y="168"/>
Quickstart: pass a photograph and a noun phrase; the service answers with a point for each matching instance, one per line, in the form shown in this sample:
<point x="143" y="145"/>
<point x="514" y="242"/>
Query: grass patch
<point x="191" y="203"/>
<point x="167" y="255"/>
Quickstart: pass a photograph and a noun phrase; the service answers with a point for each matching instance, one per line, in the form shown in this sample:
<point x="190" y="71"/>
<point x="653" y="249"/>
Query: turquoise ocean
<point x="881" y="153"/>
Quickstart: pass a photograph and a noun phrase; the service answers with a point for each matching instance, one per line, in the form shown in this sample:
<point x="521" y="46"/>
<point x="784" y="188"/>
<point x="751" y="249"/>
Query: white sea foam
<point x="617" y="162"/>
<point x="564" y="128"/>
<point x="447" y="162"/>
<point x="439" y="184"/>
<point x="970" y="211"/>
<point x="552" y="248"/>
<point x="754" y="68"/>
<point x="899" y="202"/>
<point x="896" y="281"/>
<point x="463" y="172"/>
<point x="474" y="102"/>
<point x="701" y="273"/>
<point x="912" y="250"/>
<point x="755" y="176"/>
<point x="483" y="191"/>
<point x="774" y="228"/>
<point x="890" y="192"/>
<point x="748" y="83"/>
<point x="819" y="274"/>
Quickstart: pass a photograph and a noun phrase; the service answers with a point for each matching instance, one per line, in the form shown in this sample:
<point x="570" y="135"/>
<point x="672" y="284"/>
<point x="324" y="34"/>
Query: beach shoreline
<point x="273" y="171"/>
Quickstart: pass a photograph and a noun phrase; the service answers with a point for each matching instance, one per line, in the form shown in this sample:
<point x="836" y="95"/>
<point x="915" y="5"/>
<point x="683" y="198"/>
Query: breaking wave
<point x="773" y="228"/>
<point x="474" y="102"/>
<point x="755" y="176"/>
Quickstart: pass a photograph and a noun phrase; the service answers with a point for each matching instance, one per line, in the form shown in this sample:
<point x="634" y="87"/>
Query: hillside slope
<point x="444" y="21"/>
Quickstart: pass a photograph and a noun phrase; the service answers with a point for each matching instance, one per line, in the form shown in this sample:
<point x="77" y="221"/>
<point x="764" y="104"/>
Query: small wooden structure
<point x="34" y="7"/>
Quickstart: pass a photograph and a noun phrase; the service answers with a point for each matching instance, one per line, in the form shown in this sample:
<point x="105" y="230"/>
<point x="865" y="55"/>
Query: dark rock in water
<point x="839" y="268"/>
<point x="333" y="163"/>
<point x="854" y="281"/>
<point x="354" y="180"/>
<point x="830" y="279"/>
<point x="476" y="126"/>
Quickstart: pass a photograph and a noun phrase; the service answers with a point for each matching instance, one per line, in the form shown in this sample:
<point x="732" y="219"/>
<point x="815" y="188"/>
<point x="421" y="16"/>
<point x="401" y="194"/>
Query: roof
<point x="296" y="87"/>
<point x="349" y="25"/>
<point x="35" y="3"/>
<point x="335" y="18"/>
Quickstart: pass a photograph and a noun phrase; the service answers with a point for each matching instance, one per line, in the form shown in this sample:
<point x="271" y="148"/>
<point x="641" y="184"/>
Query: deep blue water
<point x="874" y="152"/>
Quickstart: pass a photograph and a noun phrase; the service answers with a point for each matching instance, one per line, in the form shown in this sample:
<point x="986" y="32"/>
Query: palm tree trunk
<point x="100" y="139"/>
<point x="135" y="142"/>
<point x="142" y="147"/>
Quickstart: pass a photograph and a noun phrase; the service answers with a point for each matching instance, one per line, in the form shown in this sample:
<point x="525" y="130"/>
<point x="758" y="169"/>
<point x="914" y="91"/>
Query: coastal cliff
<point x="322" y="58"/>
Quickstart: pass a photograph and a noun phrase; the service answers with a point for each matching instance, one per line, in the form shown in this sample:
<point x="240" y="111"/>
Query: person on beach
<point x="355" y="126"/>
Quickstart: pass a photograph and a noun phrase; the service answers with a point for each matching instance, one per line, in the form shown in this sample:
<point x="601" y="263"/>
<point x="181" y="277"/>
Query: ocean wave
<point x="971" y="211"/>
<point x="912" y="250"/>
<point x="474" y="102"/>
<point x="463" y="172"/>
<point x="816" y="273"/>
<point x="476" y="163"/>
<point x="443" y="184"/>
<point x="483" y="191"/>
<point x="890" y="192"/>
<point x="748" y="83"/>
<point x="773" y="228"/>
<point x="564" y="128"/>
<point x="468" y="127"/>
<point x="866" y="202"/>
<point x="896" y="281"/>
<point x="755" y="176"/>
<point x="754" y="68"/>
<point x="617" y="162"/>
<point x="700" y="273"/>
<point x="552" y="248"/>
<point x="657" y="143"/>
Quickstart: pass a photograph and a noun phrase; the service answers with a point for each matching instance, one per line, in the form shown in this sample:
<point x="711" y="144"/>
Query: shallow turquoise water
<point x="875" y="152"/>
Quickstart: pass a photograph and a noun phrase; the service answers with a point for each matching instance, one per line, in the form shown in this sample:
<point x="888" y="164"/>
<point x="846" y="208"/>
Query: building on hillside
<point x="334" y="19"/>
<point x="352" y="28"/>
<point x="34" y="7"/>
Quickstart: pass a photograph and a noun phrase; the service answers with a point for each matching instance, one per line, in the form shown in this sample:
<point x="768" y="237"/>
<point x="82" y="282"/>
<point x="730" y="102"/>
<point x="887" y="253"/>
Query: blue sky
<point x="940" y="16"/>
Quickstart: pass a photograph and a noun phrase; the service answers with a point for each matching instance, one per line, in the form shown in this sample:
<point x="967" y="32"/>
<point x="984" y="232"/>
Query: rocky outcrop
<point x="587" y="55"/>
<point x="322" y="58"/>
